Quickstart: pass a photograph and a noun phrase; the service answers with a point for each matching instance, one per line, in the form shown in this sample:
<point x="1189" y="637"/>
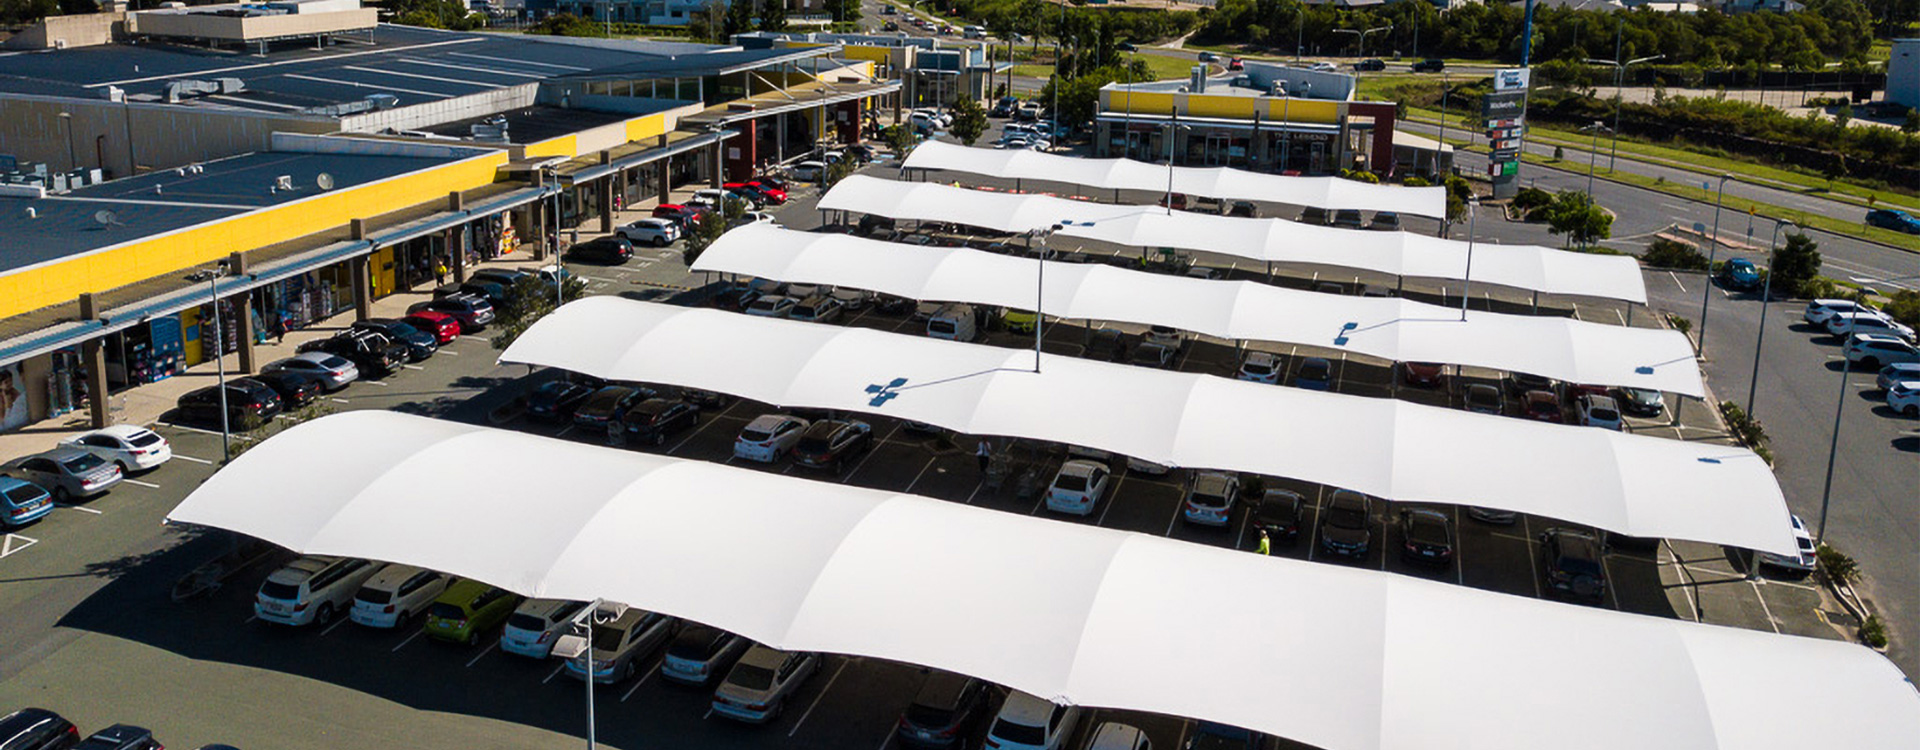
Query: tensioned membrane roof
<point x="1527" y="267"/>
<point x="1629" y="484"/>
<point x="1212" y="182"/>
<point x="1339" y="658"/>
<point x="1395" y="329"/>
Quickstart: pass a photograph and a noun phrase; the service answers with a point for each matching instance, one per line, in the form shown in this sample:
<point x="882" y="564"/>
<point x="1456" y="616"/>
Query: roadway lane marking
<point x="638" y="683"/>
<point x="1676" y="280"/>
<point x="483" y="652"/>
<point x="818" y="698"/>
<point x="139" y="483"/>
<point x="12" y="543"/>
<point x="555" y="673"/>
<point x="195" y="460"/>
<point x="403" y="644"/>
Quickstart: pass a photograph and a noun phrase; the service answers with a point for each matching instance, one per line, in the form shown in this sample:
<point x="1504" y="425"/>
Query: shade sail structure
<point x="1390" y="328"/>
<point x="1211" y="182"/>
<point x="1526" y="267"/>
<point x="1630" y="484"/>
<point x="1340" y="658"/>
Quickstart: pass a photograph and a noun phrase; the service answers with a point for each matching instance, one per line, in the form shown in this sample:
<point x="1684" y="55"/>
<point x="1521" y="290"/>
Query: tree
<point x="1911" y="124"/>
<point x="773" y="15"/>
<point x="701" y="235"/>
<point x="1575" y="215"/>
<point x="527" y="301"/>
<point x="1458" y="191"/>
<point x="1795" y="264"/>
<point x="739" y="18"/>
<point x="843" y="11"/>
<point x="836" y="172"/>
<point x="900" y="139"/>
<point x="969" y="120"/>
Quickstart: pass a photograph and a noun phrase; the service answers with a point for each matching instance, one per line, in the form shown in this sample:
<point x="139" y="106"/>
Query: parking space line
<point x="870" y="451"/>
<point x="335" y="626"/>
<point x="413" y="367"/>
<point x="483" y="652"/>
<point x="1622" y="316"/>
<point x="191" y="458"/>
<point x="403" y="644"/>
<point x="450" y="351"/>
<point x="375" y="382"/>
<point x="1533" y="563"/>
<point x="337" y="399"/>
<point x="1676" y="280"/>
<point x="138" y="483"/>
<point x="236" y="436"/>
<point x="923" y="472"/>
<point x="818" y="698"/>
<point x="82" y="509"/>
<point x="637" y="683"/>
<point x="555" y="673"/>
<point x="251" y="619"/>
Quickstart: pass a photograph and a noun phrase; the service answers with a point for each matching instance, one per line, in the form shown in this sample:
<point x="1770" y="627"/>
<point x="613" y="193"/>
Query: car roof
<point x="764" y="656"/>
<point x="300" y="570"/>
<point x="463" y="592"/>
<point x="121" y="430"/>
<point x="1260" y="356"/>
<point x="393" y="575"/>
<point x="61" y="453"/>
<point x="1211" y="481"/>
<point x="1026" y="708"/>
<point x="769" y="421"/>
<point x="1595" y="399"/>
<point x="1081" y="467"/>
<point x="10" y="483"/>
<point x="1113" y="735"/>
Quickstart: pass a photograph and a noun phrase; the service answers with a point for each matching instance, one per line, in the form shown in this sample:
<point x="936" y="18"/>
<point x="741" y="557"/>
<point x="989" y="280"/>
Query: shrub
<point x="1666" y="253"/>
<point x="1679" y="324"/>
<point x="1904" y="307"/>
<point x="1839" y="567"/>
<point x="1530" y="198"/>
<point x="1744" y="427"/>
<point x="1796" y="263"/>
<point x="1874" y="632"/>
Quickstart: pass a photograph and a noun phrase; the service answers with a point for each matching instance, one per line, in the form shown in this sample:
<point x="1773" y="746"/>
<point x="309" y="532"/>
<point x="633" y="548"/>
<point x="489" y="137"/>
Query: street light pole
<point x="1473" y="214"/>
<point x="1593" y="153"/>
<point x="212" y="276"/>
<point x="1833" y="448"/>
<point x="1173" y="131"/>
<point x="1766" y="296"/>
<point x="1619" y="69"/>
<point x="1713" y="245"/>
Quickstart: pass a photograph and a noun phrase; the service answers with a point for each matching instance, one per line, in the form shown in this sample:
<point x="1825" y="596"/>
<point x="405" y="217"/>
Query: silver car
<point x="758" y="685"/>
<point x="67" y="472"/>
<point x="334" y="371"/>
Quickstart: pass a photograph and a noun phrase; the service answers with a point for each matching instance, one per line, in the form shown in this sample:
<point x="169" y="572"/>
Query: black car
<point x="37" y="729"/>
<point x="610" y="250"/>
<point x="1346" y="528"/>
<point x="1520" y="382"/>
<point x="654" y="420"/>
<point x="1573" y="565"/>
<point x="1370" y="64"/>
<point x="887" y="304"/>
<point x="473" y="311"/>
<point x="604" y="404"/>
<point x="250" y="403"/>
<point x="1428" y="535"/>
<point x="555" y="400"/>
<point x="1005" y="107"/>
<point x="420" y="344"/>
<point x="1430" y="65"/>
<point x="708" y="400"/>
<point x="1278" y="514"/>
<point x="296" y="389"/>
<point x="121" y="737"/>
<point x="490" y="290"/>
<point x="827" y="444"/>
<point x="1107" y="345"/>
<point x="1208" y="735"/>
<point x="372" y="352"/>
<point x="700" y="653"/>
<point x="941" y="712"/>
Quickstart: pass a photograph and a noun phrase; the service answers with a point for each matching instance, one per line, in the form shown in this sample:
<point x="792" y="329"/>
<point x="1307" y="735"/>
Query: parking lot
<point x="98" y="638"/>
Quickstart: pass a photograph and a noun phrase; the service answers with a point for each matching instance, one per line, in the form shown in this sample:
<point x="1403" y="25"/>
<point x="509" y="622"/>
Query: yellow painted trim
<point x="63" y="280"/>
<point x="1143" y="103"/>
<point x="1304" y="110"/>
<point x="643" y="128"/>
<point x="1207" y="105"/>
<point x="566" y="145"/>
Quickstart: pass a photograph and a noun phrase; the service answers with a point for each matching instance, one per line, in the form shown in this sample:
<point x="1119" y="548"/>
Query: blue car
<point x="1740" y="274"/>
<point x="22" y="502"/>
<point x="1315" y="374"/>
<point x="1899" y="221"/>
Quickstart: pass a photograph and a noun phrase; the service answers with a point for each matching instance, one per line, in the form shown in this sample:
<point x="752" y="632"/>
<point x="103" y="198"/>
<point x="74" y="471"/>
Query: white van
<point x="975" y="32"/>
<point x="953" y="322"/>
<point x="315" y="588"/>
<point x="393" y="596"/>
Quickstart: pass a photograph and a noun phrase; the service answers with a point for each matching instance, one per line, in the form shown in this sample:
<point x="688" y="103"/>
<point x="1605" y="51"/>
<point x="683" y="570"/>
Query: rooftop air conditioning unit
<point x="1198" y="81"/>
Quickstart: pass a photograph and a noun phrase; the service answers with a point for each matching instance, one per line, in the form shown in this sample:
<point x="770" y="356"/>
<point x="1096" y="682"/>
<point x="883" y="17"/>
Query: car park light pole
<point x="1713" y="251"/>
<point x="1833" y="446"/>
<point x="1473" y="213"/>
<point x="1593" y="152"/>
<point x="212" y="276"/>
<point x="1619" y="68"/>
<point x="579" y="643"/>
<point x="1766" y="296"/>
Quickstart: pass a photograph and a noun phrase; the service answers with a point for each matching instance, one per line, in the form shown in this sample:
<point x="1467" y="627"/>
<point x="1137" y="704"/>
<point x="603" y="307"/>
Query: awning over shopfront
<point x="1338" y="658"/>
<point x="1525" y="267"/>
<point x="1212" y="182"/>
<point x="1390" y="328"/>
<point x="1629" y="484"/>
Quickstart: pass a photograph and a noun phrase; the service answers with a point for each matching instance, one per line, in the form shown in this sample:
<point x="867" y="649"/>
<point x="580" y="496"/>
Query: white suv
<point x="314" y="588"/>
<point x="1876" y="349"/>
<point x="536" y="624"/>
<point x="1904" y="398"/>
<point x="1030" y="722"/>
<point x="394" y="595"/>
<point x="1818" y="311"/>
<point x="1841" y="324"/>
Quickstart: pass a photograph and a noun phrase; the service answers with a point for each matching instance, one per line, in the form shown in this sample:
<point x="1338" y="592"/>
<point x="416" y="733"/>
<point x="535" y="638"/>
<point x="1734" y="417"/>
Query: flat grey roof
<point x="65" y="225"/>
<point x="540" y="122"/>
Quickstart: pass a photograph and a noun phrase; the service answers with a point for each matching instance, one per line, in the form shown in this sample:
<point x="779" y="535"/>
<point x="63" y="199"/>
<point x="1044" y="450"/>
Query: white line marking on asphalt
<point x="554" y="673"/>
<point x="338" y="399"/>
<point x="403" y="644"/>
<point x="923" y="472"/>
<point x="203" y="432"/>
<point x="413" y="367"/>
<point x="817" y="699"/>
<point x="708" y="714"/>
<point x="382" y="384"/>
<point x="83" y="510"/>
<point x="638" y="683"/>
<point x="450" y="352"/>
<point x="483" y="652"/>
<point x="138" y="483"/>
<point x="195" y="460"/>
<point x="1676" y="280"/>
<point x="1771" y="622"/>
<point x="251" y="620"/>
<point x="1622" y="316"/>
<point x="335" y="626"/>
<point x="12" y="543"/>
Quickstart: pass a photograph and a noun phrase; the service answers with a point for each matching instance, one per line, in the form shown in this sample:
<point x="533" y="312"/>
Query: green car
<point x="467" y="609"/>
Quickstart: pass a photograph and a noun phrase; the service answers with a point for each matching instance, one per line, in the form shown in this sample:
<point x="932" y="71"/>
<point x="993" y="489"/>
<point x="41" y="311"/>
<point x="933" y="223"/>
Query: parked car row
<point x="41" y="729"/>
<point x="1874" y="340"/>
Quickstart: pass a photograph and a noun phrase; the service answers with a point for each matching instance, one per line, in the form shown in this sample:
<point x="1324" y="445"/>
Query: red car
<point x="1423" y="374"/>
<point x="675" y="212"/>
<point x="758" y="191"/>
<point x="1236" y="64"/>
<point x="444" y="327"/>
<point x="777" y="193"/>
<point x="1575" y="391"/>
<point x="1543" y="406"/>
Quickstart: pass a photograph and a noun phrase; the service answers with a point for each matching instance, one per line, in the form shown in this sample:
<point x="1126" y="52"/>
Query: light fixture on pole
<point x="579" y="644"/>
<point x="1766" y="296"/>
<point x="1713" y="251"/>
<point x="1619" y="68"/>
<point x="1361" y="35"/>
<point x="212" y="277"/>
<point x="1593" y="152"/>
<point x="1473" y="213"/>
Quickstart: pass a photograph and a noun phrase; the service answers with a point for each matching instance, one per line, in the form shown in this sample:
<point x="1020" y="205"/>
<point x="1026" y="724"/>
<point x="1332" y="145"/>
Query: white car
<point x="1030" y="722"/>
<point x="1324" y="67"/>
<point x="1210" y="498"/>
<point x="772" y="306"/>
<point x="1876" y="349"/>
<point x="1818" y="311"/>
<point x="395" y="595"/>
<point x="534" y="626"/>
<point x="768" y="437"/>
<point x="1600" y="411"/>
<point x="311" y="589"/>
<point x="759" y="684"/>
<point x="133" y="448"/>
<point x="334" y="371"/>
<point x="1896" y="373"/>
<point x="655" y="232"/>
<point x="1841" y="324"/>
<point x="808" y="171"/>
<point x="1260" y="367"/>
<point x="1078" y="487"/>
<point x="1904" y="398"/>
<point x="1167" y="336"/>
<point x="757" y="217"/>
<point x="1113" y="735"/>
<point x="1808" y="558"/>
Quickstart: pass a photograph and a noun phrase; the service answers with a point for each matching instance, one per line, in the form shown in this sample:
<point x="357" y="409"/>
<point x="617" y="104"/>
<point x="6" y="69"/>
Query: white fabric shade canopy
<point x="1211" y="182"/>
<point x="1340" y="658"/>
<point x="1527" y="267"/>
<point x="1390" y="328"/>
<point x="1635" y="485"/>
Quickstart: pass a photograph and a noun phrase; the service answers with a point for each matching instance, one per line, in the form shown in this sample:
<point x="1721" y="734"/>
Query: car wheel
<point x="660" y="241"/>
<point x="1911" y="411"/>
<point x="325" y="614"/>
<point x="124" y="468"/>
<point x="60" y="495"/>
<point x="473" y="638"/>
<point x="1871" y="363"/>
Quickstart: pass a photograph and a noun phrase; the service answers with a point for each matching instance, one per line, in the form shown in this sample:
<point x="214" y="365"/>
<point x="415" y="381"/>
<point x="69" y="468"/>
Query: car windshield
<point x="1315" y="369"/>
<point x="79" y="464"/>
<point x="278" y="590"/>
<point x="940" y="326"/>
<point x="607" y="638"/>
<point x="751" y="677"/>
<point x="1016" y="733"/>
<point x="524" y="621"/>
<point x="1427" y="528"/>
<point x="922" y="715"/>
<point x="1603" y="414"/>
<point x="814" y="443"/>
<point x="1070" y="483"/>
<point x="1342" y="516"/>
<point x="696" y="644"/>
<point x="23" y="493"/>
<point x="1253" y="367"/>
<point x="446" y="611"/>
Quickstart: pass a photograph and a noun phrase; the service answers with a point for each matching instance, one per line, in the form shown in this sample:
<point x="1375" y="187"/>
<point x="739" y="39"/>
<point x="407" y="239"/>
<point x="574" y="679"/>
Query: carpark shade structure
<point x="1629" y="484"/>
<point x="1340" y="658"/>
<point x="1225" y="183"/>
<point x="1529" y="268"/>
<point x="1390" y="328"/>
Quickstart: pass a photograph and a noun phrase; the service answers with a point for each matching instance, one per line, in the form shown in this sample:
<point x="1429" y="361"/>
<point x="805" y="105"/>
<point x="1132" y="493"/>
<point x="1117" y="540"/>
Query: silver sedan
<point x="334" y="371"/>
<point x="66" y="471"/>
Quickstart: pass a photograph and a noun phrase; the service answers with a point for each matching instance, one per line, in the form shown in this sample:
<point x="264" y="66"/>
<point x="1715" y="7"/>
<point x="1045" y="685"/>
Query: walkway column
<point x="93" y="355"/>
<point x="606" y="194"/>
<point x="242" y="314"/>
<point x="357" y="268"/>
<point x="537" y="219"/>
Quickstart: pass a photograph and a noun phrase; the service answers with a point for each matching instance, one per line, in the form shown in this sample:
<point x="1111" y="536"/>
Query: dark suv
<point x="941" y="712"/>
<point x="420" y="344"/>
<point x="828" y="443"/>
<point x="1428" y="536"/>
<point x="1573" y="564"/>
<point x="37" y="729"/>
<point x="1347" y="526"/>
<point x="121" y="737"/>
<point x="473" y="311"/>
<point x="654" y="420"/>
<point x="250" y="403"/>
<point x="372" y="352"/>
<point x="1430" y="65"/>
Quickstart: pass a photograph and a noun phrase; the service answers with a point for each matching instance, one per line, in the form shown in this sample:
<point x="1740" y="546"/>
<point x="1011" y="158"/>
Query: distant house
<point x="1903" y="73"/>
<point x="1600" y="5"/>
<point x="1750" y="6"/>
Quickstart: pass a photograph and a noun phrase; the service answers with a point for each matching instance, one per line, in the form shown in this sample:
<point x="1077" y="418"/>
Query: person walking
<point x="440" y="272"/>
<point x="278" y="329"/>
<point x="985" y="453"/>
<point x="1266" y="545"/>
